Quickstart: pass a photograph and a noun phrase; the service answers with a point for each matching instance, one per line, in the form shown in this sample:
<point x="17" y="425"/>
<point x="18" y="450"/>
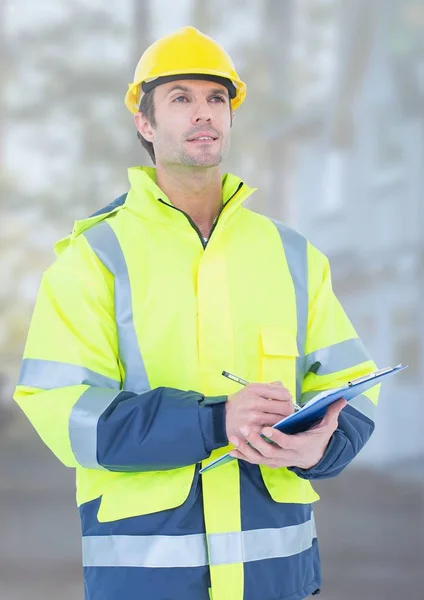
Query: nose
<point x="202" y="113"/>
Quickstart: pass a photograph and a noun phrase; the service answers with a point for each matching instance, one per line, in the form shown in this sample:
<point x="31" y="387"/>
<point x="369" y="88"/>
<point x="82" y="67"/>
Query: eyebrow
<point x="183" y="88"/>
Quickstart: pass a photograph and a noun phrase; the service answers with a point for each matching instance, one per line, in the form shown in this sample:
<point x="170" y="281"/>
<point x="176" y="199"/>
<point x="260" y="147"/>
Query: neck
<point x="198" y="192"/>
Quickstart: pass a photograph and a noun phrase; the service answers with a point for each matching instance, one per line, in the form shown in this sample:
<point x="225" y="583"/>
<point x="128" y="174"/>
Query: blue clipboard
<point x="314" y="410"/>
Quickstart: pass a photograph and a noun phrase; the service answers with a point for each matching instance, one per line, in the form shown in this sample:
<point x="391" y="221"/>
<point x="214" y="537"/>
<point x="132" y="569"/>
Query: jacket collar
<point x="148" y="200"/>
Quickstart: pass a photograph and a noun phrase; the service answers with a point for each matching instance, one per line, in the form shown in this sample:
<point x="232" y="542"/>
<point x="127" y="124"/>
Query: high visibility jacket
<point x="121" y="377"/>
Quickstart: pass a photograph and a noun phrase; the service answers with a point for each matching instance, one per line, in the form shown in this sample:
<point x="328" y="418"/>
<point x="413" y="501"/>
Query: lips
<point x="203" y="137"/>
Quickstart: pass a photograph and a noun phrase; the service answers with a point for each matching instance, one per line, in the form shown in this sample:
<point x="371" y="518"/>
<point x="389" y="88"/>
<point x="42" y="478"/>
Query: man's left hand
<point x="303" y="450"/>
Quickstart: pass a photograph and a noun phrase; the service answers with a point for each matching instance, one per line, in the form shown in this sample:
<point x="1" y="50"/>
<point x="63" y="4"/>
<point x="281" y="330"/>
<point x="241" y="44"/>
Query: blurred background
<point x="332" y="134"/>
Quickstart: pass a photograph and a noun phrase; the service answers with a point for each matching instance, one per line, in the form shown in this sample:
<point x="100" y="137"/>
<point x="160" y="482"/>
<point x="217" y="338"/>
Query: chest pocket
<point x="278" y="354"/>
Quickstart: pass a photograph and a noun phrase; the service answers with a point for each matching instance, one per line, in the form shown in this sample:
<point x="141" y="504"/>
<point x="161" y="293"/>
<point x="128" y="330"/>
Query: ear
<point x="144" y="127"/>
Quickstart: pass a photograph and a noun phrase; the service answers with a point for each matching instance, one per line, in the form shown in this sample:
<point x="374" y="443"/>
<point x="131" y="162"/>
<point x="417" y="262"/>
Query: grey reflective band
<point x="365" y="406"/>
<point x="162" y="551"/>
<point x="296" y="251"/>
<point x="105" y="244"/>
<point x="51" y="374"/>
<point x="152" y="551"/>
<point x="260" y="544"/>
<point x="337" y="357"/>
<point x="361" y="403"/>
<point x="83" y="421"/>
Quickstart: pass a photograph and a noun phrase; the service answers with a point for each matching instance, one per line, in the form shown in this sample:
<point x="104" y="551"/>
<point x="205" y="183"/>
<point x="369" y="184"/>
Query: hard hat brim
<point x="148" y="86"/>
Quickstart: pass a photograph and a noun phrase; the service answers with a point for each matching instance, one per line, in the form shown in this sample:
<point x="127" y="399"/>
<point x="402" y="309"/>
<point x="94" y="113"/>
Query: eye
<point x="219" y="98"/>
<point x="180" y="99"/>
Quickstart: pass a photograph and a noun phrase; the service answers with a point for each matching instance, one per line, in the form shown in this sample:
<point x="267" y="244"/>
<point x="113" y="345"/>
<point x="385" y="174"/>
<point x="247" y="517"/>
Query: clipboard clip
<point x="373" y="375"/>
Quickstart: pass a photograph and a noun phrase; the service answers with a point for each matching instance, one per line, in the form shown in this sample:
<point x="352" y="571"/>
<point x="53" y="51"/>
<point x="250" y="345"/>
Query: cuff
<point x="325" y="467"/>
<point x="212" y="422"/>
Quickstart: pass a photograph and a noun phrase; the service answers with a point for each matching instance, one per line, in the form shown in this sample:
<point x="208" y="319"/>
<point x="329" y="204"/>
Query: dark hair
<point x="147" y="107"/>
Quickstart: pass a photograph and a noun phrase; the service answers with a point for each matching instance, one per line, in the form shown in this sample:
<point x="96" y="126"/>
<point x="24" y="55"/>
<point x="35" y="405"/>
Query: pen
<point x="244" y="382"/>
<point x="234" y="378"/>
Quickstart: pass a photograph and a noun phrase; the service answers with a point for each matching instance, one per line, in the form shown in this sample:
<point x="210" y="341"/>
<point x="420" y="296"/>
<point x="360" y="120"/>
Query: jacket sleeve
<point x="334" y="355"/>
<point x="70" y="384"/>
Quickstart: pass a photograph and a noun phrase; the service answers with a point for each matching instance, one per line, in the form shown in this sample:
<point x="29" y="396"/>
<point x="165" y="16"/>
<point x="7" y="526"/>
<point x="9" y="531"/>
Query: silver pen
<point x="234" y="378"/>
<point x="244" y="382"/>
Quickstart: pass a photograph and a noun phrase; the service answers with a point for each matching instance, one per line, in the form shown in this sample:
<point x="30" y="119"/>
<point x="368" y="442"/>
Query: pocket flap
<point x="135" y="494"/>
<point x="286" y="487"/>
<point x="278" y="341"/>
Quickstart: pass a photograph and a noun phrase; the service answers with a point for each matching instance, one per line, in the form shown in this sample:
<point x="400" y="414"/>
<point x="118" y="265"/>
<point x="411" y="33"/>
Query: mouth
<point x="203" y="139"/>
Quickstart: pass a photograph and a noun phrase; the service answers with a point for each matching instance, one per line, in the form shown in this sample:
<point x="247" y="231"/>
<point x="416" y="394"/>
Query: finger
<point x="236" y="454"/>
<point x="264" y="419"/>
<point x="259" y="444"/>
<point x="256" y="428"/>
<point x="283" y="440"/>
<point x="264" y="461"/>
<point x="333" y="411"/>
<point x="316" y="426"/>
<point x="275" y="407"/>
<point x="240" y="456"/>
<point x="271" y="391"/>
<point x="330" y="421"/>
<point x="246" y="452"/>
<point x="267" y="419"/>
<point x="339" y="405"/>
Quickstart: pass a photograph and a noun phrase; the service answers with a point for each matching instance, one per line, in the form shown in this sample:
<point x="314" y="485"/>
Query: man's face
<point x="185" y="112"/>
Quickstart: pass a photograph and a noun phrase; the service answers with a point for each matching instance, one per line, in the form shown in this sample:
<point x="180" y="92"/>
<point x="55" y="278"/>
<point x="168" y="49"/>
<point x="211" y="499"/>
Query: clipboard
<point x="314" y="410"/>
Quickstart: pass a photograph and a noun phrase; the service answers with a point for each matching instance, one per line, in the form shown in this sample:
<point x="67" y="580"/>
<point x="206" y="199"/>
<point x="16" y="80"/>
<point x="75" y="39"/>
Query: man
<point x="147" y="303"/>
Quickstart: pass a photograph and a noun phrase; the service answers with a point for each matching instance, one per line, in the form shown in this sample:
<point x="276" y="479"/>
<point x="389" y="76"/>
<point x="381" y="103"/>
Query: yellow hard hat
<point x="189" y="53"/>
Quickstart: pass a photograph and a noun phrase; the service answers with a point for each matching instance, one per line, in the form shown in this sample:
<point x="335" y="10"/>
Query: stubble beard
<point x="205" y="159"/>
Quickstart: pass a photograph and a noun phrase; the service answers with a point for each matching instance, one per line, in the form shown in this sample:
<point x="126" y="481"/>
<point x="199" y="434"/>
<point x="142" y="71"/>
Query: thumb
<point x="333" y="411"/>
<point x="280" y="383"/>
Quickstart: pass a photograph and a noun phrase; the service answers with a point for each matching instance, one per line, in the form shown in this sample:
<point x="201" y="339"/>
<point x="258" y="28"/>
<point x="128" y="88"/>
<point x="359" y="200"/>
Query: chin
<point x="204" y="161"/>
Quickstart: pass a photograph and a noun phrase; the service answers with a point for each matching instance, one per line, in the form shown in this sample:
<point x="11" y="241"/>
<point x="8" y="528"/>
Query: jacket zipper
<point x="193" y="224"/>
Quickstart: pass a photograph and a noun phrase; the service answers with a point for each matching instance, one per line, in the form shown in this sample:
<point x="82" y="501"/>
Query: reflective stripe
<point x="50" y="374"/>
<point x="105" y="244"/>
<point x="151" y="551"/>
<point x="83" y="424"/>
<point x="361" y="403"/>
<point x="296" y="251"/>
<point x="260" y="544"/>
<point x="163" y="551"/>
<point x="365" y="406"/>
<point x="337" y="357"/>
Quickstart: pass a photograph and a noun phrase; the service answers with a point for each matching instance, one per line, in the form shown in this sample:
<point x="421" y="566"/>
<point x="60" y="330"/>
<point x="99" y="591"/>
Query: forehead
<point x="197" y="86"/>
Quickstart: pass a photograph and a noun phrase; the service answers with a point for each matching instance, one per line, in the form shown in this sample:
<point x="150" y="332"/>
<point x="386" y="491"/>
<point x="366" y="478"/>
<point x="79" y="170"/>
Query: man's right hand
<point x="257" y="405"/>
